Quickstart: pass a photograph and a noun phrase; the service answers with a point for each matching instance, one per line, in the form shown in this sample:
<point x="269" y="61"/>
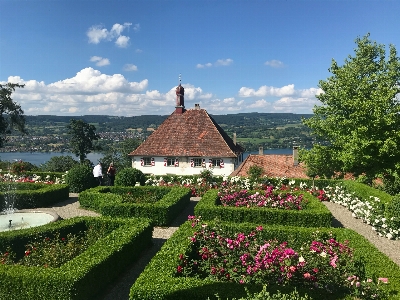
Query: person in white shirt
<point x="98" y="173"/>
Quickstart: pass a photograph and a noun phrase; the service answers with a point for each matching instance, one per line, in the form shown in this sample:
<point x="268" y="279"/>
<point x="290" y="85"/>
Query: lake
<point x="38" y="158"/>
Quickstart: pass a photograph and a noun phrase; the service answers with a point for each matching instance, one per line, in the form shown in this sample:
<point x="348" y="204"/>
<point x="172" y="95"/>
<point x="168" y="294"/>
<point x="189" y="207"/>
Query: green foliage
<point x="83" y="277"/>
<point x="109" y="202"/>
<point x="80" y="178"/>
<point x="391" y="183"/>
<point x="82" y="136"/>
<point x="28" y="195"/>
<point x="61" y="163"/>
<point x="255" y="172"/>
<point x="118" y="154"/>
<point x="207" y="175"/>
<point x="320" y="161"/>
<point x="392" y="212"/>
<point x="129" y="177"/>
<point x="359" y="111"/>
<point x="11" y="114"/>
<point x="20" y="167"/>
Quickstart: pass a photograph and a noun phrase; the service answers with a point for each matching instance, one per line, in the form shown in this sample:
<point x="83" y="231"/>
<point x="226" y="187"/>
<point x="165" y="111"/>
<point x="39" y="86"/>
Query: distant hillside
<point x="253" y="130"/>
<point x="106" y="123"/>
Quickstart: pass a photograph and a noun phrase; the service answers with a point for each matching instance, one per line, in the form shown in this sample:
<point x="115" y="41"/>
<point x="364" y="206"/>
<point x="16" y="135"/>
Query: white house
<point x="186" y="143"/>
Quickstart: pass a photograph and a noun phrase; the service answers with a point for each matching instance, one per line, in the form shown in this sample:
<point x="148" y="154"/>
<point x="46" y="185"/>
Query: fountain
<point x="25" y="219"/>
<point x="11" y="219"/>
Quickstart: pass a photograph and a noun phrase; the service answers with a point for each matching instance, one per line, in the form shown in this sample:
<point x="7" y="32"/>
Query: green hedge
<point x="364" y="191"/>
<point x="85" y="276"/>
<point x="32" y="195"/>
<point x="108" y="202"/>
<point x="314" y="215"/>
<point x="158" y="280"/>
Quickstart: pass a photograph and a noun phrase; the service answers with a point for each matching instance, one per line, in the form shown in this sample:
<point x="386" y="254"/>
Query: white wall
<point x="184" y="167"/>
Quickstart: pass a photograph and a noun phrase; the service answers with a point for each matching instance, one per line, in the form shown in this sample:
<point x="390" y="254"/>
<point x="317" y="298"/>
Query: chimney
<point x="295" y="155"/>
<point x="197" y="106"/>
<point x="260" y="150"/>
<point x="234" y="138"/>
<point x="180" y="99"/>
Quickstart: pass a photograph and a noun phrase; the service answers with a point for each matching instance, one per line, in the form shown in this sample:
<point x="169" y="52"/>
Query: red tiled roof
<point x="191" y="133"/>
<point x="273" y="166"/>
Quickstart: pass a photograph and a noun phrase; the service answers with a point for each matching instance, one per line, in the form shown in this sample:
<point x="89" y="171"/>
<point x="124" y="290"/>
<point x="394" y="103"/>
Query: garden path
<point x="120" y="288"/>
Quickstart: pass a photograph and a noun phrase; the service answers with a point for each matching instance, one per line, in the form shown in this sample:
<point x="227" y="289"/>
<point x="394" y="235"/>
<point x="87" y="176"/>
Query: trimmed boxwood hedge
<point x="158" y="280"/>
<point x="83" y="277"/>
<point x="108" y="202"/>
<point x="33" y="195"/>
<point x="314" y="215"/>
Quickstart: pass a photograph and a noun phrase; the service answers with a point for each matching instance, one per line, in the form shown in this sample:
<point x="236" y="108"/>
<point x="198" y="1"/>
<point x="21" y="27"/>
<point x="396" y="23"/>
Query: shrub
<point x="80" y="178"/>
<point x="129" y="177"/>
<point x="255" y="172"/>
<point x="392" y="212"/>
<point x="21" y="167"/>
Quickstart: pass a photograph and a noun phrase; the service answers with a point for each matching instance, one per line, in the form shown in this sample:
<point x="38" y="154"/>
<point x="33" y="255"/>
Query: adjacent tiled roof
<point x="273" y="165"/>
<point x="191" y="133"/>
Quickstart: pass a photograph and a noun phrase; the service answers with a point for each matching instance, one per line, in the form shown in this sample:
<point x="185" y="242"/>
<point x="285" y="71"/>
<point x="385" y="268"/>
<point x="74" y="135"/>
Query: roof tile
<point x="191" y="133"/>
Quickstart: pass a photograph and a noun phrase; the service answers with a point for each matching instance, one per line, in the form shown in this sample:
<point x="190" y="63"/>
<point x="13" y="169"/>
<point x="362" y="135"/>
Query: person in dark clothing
<point x="111" y="174"/>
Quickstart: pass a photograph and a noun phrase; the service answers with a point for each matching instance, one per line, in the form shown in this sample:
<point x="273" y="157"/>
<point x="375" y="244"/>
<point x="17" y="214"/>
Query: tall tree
<point x="359" y="115"/>
<point x="82" y="135"/>
<point x="118" y="154"/>
<point x="11" y="114"/>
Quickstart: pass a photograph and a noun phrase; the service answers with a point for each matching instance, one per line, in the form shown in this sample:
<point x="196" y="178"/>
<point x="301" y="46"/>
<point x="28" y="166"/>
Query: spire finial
<point x="180" y="80"/>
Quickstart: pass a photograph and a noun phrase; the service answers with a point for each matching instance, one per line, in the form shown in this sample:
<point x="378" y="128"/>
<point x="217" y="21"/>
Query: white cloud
<point x="219" y="62"/>
<point x="130" y="67"/>
<point x="138" y="50"/>
<point x="93" y="92"/>
<point x="224" y="62"/>
<point x="98" y="33"/>
<point x="264" y="91"/>
<point x="274" y="63"/>
<point x="295" y="105"/>
<point x="136" y="27"/>
<point x="259" y="104"/>
<point x="100" y="61"/>
<point x="122" y="41"/>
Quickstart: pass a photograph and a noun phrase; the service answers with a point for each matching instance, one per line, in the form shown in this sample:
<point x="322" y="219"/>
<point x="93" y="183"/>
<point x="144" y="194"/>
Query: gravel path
<point x="120" y="288"/>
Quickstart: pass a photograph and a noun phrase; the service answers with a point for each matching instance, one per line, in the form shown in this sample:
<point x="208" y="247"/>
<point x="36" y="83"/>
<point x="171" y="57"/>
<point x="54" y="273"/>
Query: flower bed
<point x="314" y="213"/>
<point x="168" y="283"/>
<point x="109" y="202"/>
<point x="82" y="277"/>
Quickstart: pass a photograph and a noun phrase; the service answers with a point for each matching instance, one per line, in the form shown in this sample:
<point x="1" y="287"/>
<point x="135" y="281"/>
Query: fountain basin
<point x="26" y="219"/>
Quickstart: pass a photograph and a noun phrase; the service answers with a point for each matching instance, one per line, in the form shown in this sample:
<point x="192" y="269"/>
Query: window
<point x="216" y="162"/>
<point x="147" y="161"/>
<point x="170" y="161"/>
<point x="198" y="162"/>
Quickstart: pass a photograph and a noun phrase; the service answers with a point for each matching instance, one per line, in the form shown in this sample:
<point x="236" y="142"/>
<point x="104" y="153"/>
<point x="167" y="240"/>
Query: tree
<point x="118" y="154"/>
<point x="359" y="115"/>
<point x="61" y="163"/>
<point x="82" y="135"/>
<point x="11" y="114"/>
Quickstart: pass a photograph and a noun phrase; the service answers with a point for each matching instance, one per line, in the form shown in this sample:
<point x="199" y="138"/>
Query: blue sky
<point x="124" y="58"/>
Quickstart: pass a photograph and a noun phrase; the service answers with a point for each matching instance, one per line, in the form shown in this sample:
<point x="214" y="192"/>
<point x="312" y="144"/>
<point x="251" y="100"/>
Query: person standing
<point x="111" y="174"/>
<point x="98" y="173"/>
